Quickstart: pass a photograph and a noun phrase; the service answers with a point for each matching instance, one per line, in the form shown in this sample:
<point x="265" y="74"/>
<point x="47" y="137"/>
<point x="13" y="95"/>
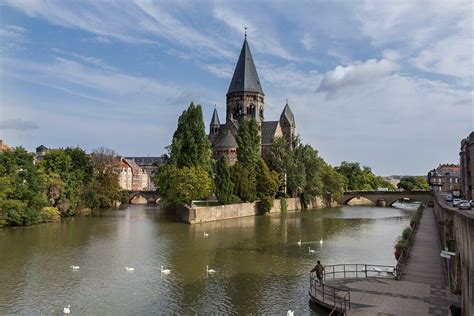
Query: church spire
<point x="245" y="78"/>
<point x="215" y="118"/>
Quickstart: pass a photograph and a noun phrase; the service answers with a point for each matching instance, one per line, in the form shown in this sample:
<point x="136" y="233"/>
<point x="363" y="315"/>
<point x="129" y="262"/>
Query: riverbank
<point x="202" y="214"/>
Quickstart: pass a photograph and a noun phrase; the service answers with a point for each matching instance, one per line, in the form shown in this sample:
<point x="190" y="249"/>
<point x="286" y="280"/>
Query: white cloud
<point x="221" y="71"/>
<point x="307" y="41"/>
<point x="356" y="75"/>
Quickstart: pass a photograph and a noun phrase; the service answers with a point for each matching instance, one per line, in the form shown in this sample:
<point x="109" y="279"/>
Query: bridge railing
<point x="358" y="270"/>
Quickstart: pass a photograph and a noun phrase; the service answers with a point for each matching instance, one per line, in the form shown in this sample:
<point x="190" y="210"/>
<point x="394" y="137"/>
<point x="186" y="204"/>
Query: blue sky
<point x="385" y="83"/>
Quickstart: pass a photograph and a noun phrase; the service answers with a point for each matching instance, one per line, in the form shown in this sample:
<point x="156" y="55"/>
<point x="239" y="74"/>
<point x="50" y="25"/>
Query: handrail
<point x="340" y="299"/>
<point x="358" y="270"/>
<point x="404" y="255"/>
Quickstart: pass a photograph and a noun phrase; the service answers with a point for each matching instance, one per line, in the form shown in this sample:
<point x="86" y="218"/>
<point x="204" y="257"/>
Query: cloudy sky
<point x="386" y="83"/>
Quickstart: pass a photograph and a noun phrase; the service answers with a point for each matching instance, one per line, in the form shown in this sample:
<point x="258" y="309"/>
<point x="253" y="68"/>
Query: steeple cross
<point x="245" y="32"/>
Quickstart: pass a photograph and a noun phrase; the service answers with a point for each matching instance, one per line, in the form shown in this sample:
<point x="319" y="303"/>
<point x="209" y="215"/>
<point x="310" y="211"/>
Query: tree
<point x="332" y="182"/>
<point x="104" y="189"/>
<point x="21" y="188"/>
<point x="182" y="185"/>
<point x="248" y="144"/>
<point x="357" y="178"/>
<point x="244" y="182"/>
<point x="411" y="183"/>
<point x="267" y="186"/>
<point x="224" y="184"/>
<point x="190" y="146"/>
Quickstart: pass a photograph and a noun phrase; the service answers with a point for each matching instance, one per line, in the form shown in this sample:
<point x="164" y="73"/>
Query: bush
<point x="124" y="197"/>
<point x="50" y="214"/>
<point x="402" y="244"/>
<point x="283" y="205"/>
<point x="406" y="233"/>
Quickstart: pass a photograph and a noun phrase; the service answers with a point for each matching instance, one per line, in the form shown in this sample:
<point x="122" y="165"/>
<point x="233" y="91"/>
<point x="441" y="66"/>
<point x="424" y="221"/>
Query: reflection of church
<point x="245" y="100"/>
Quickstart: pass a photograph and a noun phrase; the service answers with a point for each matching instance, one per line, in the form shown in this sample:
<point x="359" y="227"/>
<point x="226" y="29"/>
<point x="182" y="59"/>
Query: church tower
<point x="245" y="97"/>
<point x="287" y="123"/>
<point x="214" y="126"/>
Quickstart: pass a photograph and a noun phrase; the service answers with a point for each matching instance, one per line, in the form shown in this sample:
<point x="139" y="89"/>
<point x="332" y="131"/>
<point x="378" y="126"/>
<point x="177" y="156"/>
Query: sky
<point x="388" y="84"/>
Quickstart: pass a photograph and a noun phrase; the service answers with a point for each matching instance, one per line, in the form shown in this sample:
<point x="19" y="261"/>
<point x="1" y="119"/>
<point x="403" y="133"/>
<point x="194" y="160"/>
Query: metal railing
<point x="338" y="299"/>
<point x="359" y="270"/>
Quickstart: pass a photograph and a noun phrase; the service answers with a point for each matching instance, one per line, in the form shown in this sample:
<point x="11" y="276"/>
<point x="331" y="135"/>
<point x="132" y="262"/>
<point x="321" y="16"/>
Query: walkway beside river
<point x="424" y="263"/>
<point x="422" y="289"/>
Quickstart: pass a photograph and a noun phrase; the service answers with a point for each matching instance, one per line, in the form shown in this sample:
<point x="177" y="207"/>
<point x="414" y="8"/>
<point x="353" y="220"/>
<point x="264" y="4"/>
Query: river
<point x="259" y="266"/>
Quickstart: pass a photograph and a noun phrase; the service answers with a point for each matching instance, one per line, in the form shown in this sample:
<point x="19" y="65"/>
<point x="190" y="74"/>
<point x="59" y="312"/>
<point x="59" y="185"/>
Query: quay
<point x="421" y="284"/>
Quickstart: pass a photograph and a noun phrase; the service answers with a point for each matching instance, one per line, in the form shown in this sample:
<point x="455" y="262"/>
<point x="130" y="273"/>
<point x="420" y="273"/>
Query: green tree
<point x="104" y="189"/>
<point x="357" y="178"/>
<point x="411" y="183"/>
<point x="248" y="142"/>
<point x="182" y="185"/>
<point x="21" y="188"/>
<point x="190" y="146"/>
<point x="244" y="182"/>
<point x="267" y="186"/>
<point x="224" y="184"/>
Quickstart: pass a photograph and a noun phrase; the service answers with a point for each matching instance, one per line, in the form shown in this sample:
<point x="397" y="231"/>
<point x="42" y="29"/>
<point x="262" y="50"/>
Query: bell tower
<point x="245" y="97"/>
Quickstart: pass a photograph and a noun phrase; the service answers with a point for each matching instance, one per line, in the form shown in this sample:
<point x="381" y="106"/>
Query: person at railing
<point x="319" y="269"/>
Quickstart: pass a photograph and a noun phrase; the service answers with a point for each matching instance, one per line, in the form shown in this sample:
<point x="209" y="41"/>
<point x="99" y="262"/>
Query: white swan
<point x="321" y="241"/>
<point x="210" y="270"/>
<point x="290" y="313"/>
<point x="74" y="267"/>
<point x="311" y="251"/>
<point x="67" y="310"/>
<point x="129" y="269"/>
<point x="299" y="243"/>
<point x="165" y="271"/>
<point x="206" y="234"/>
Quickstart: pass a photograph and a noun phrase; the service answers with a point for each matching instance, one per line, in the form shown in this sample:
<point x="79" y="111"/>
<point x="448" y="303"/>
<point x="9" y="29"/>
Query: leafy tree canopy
<point x="413" y="183"/>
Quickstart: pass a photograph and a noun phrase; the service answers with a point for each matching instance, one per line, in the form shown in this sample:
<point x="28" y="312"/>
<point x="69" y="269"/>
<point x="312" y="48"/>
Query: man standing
<point x="319" y="271"/>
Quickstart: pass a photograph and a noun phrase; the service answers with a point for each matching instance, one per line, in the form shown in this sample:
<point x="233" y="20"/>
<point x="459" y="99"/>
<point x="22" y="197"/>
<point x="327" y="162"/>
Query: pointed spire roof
<point x="215" y="118"/>
<point x="288" y="114"/>
<point x="245" y="75"/>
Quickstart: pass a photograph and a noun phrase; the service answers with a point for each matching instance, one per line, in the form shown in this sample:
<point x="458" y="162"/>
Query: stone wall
<point x="456" y="229"/>
<point x="196" y="214"/>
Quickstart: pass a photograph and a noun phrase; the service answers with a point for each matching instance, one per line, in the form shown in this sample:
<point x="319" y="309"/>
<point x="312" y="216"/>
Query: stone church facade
<point x="246" y="100"/>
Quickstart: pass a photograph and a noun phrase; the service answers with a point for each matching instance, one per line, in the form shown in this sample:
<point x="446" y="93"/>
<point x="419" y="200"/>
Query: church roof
<point x="226" y="140"/>
<point x="245" y="75"/>
<point x="288" y="114"/>
<point x="268" y="131"/>
<point x="215" y="118"/>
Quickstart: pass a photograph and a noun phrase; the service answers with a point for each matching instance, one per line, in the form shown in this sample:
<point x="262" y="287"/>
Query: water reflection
<point x="260" y="267"/>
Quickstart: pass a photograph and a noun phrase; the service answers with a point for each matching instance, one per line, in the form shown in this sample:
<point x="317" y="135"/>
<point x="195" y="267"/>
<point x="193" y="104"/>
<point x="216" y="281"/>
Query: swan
<point x="165" y="271"/>
<point x="210" y="270"/>
<point x="321" y="241"/>
<point x="299" y="243"/>
<point x="67" y="310"/>
<point x="206" y="234"/>
<point x="74" y="267"/>
<point x="129" y="269"/>
<point x="290" y="313"/>
<point x="311" y="251"/>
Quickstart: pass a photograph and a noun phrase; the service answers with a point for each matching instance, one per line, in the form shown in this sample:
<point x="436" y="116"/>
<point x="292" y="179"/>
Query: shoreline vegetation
<point x="69" y="182"/>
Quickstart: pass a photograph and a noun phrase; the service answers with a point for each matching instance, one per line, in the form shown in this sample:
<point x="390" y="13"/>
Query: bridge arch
<point x="151" y="197"/>
<point x="388" y="197"/>
<point x="350" y="198"/>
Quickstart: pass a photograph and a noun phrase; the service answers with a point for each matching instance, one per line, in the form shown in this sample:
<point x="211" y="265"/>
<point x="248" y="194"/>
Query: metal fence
<point x="328" y="295"/>
<point x="358" y="270"/>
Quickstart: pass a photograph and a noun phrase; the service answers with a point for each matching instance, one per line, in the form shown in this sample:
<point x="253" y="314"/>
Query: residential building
<point x="40" y="152"/>
<point x="125" y="176"/>
<point x="148" y="164"/>
<point x="466" y="156"/>
<point x="445" y="178"/>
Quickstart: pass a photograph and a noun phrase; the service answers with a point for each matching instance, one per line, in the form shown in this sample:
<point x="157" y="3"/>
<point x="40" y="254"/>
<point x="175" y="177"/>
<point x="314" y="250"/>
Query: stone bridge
<point x="150" y="196"/>
<point x="387" y="198"/>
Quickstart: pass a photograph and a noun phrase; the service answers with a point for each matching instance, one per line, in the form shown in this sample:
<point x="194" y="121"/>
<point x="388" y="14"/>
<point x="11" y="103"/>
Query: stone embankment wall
<point x="197" y="214"/>
<point x="456" y="229"/>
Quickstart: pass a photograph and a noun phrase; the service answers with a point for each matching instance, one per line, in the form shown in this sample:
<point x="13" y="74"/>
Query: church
<point x="246" y="100"/>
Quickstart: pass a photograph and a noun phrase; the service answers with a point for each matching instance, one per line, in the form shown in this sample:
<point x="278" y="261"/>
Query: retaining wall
<point x="197" y="214"/>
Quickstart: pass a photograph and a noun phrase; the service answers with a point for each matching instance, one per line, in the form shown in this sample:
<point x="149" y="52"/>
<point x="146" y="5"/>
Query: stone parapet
<point x="456" y="229"/>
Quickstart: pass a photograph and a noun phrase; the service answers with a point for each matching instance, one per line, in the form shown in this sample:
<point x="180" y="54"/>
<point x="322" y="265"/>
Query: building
<point x="148" y="164"/>
<point x="40" y="152"/>
<point x="125" y="176"/>
<point x="466" y="157"/>
<point x="3" y="145"/>
<point x="445" y="178"/>
<point x="246" y="100"/>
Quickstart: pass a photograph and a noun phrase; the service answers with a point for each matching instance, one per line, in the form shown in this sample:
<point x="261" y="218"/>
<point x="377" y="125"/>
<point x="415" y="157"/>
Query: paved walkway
<point x="422" y="289"/>
<point x="424" y="263"/>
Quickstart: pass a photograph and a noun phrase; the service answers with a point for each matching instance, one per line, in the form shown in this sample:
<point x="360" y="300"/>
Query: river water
<point x="259" y="266"/>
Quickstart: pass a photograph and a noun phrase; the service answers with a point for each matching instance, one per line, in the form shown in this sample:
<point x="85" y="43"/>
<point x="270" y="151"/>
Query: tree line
<point x="66" y="182"/>
<point x="288" y="170"/>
